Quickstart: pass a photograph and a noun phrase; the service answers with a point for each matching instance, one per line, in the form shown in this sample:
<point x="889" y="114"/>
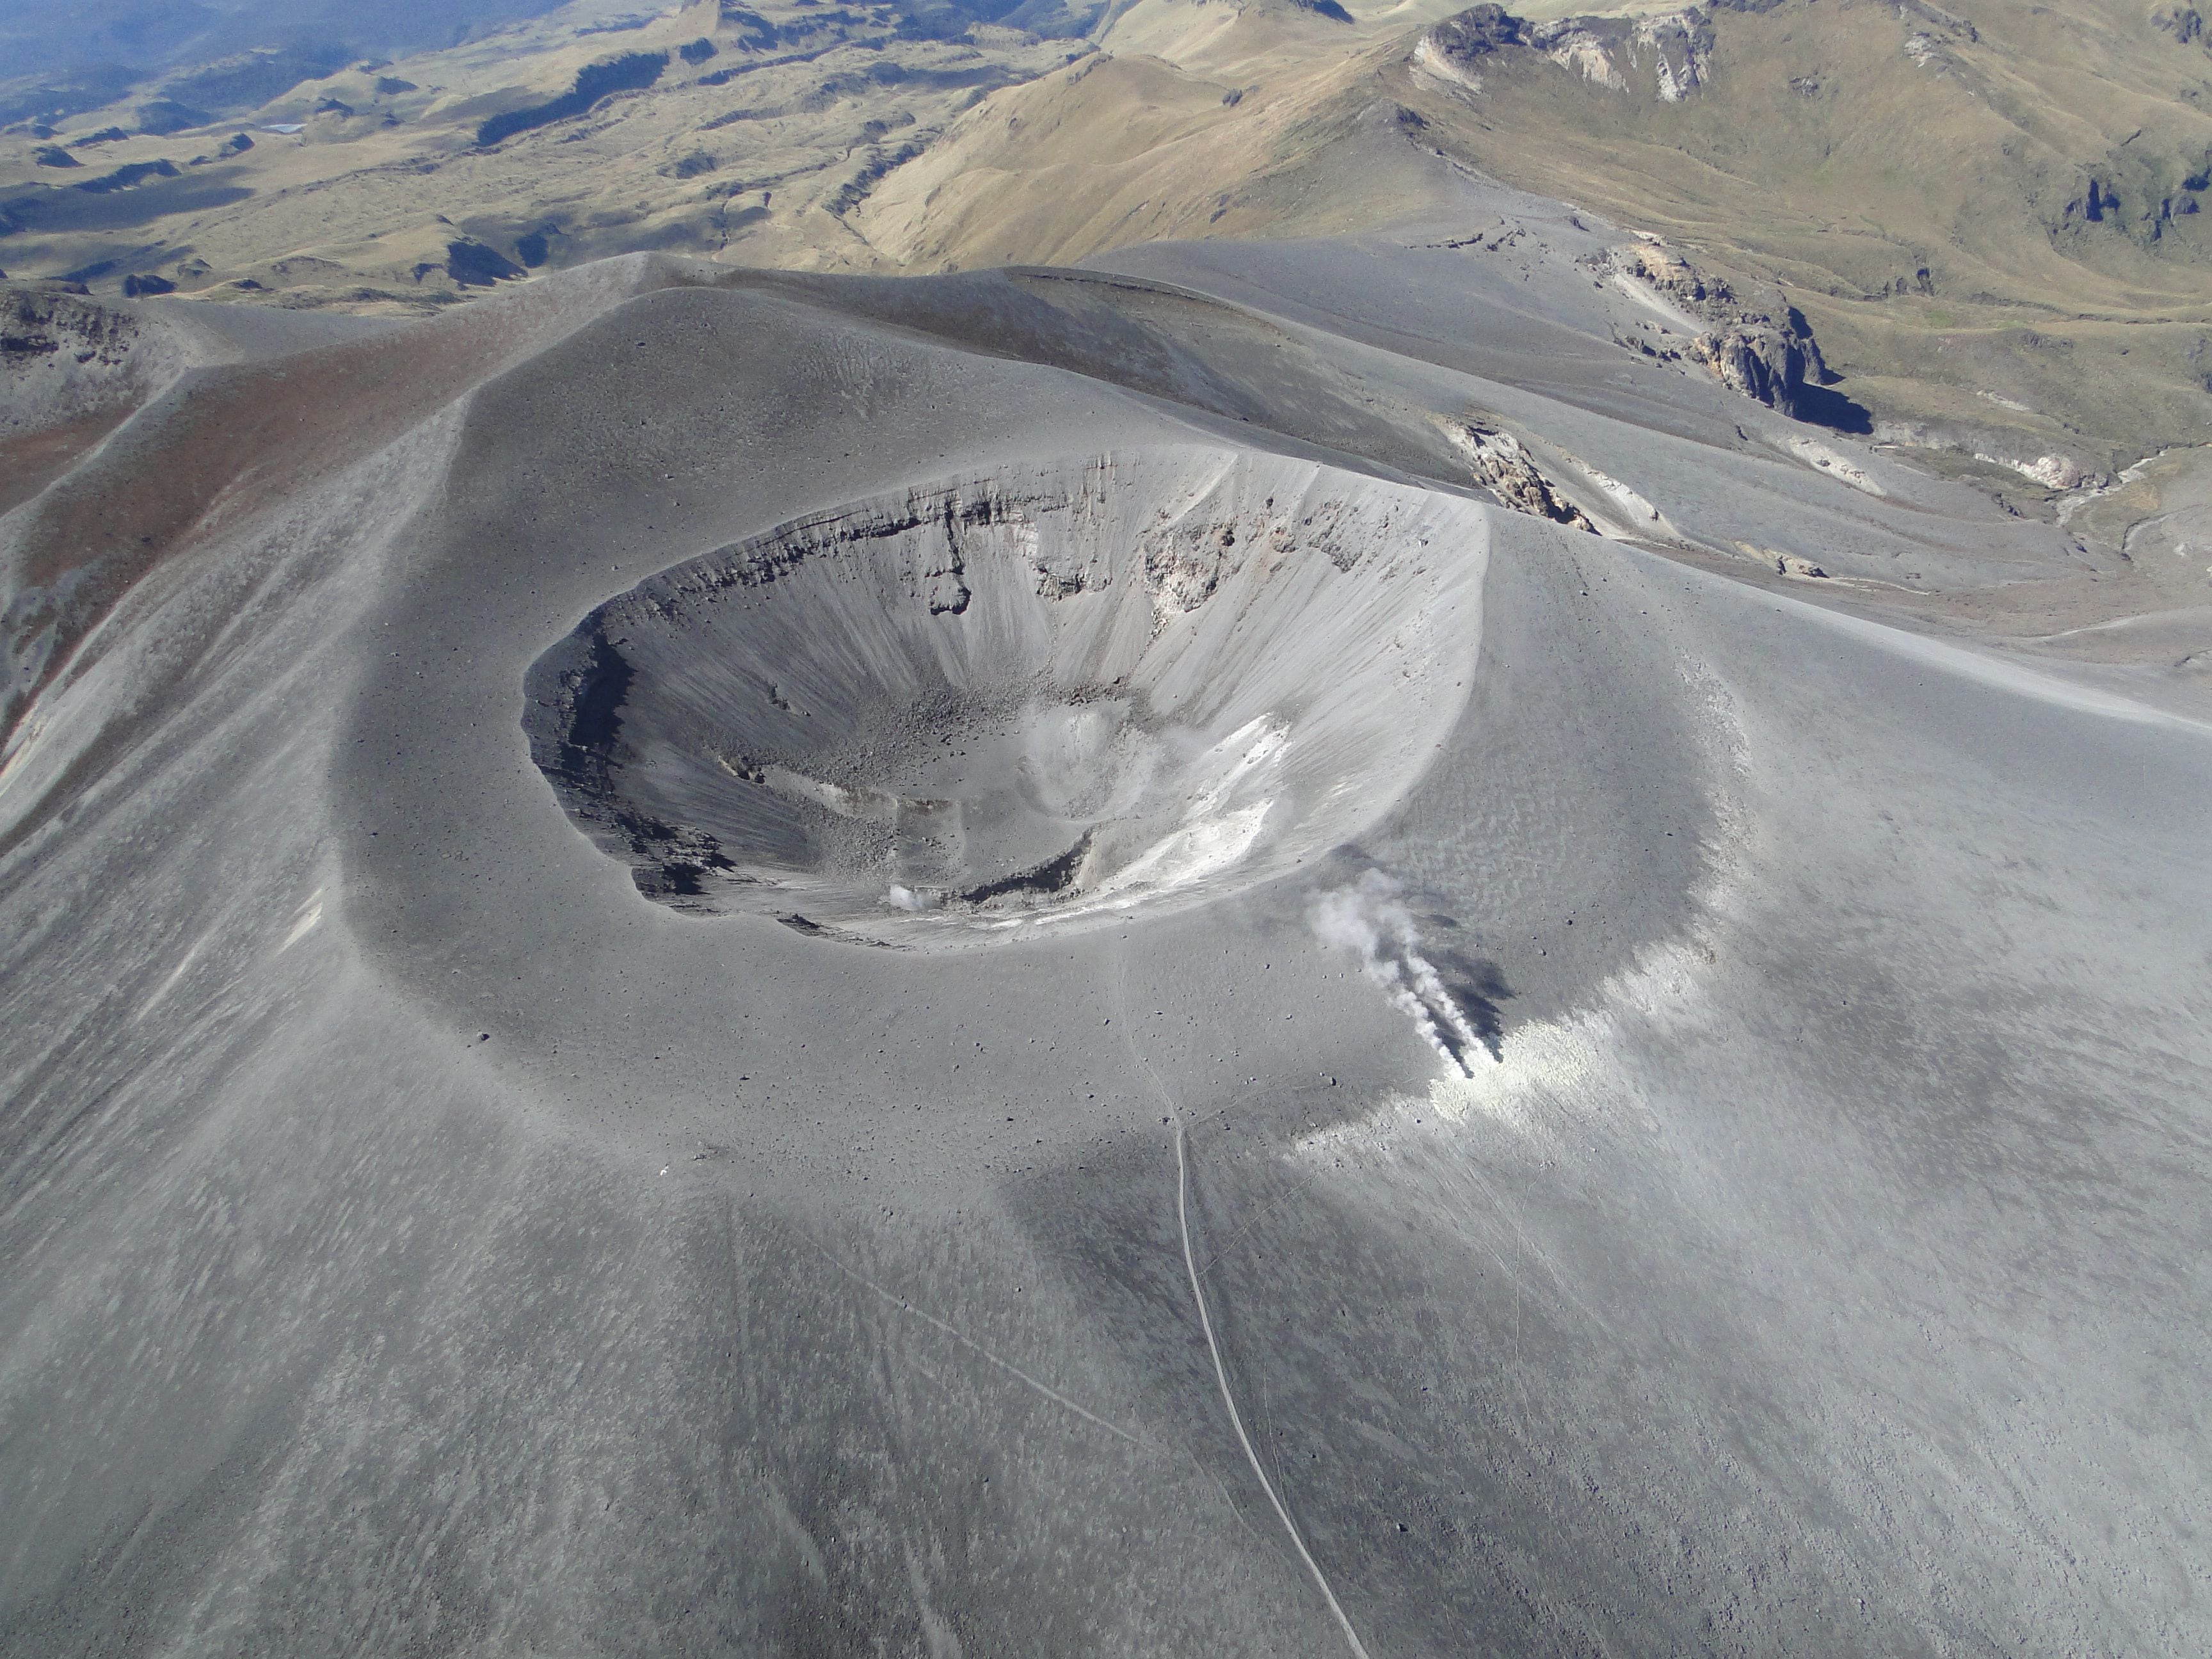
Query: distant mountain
<point x="39" y="38"/>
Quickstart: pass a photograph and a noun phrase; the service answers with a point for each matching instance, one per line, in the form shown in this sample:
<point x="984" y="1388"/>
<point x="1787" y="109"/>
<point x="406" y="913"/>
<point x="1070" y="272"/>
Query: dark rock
<point x="1778" y="364"/>
<point x="53" y="156"/>
<point x="237" y="143"/>
<point x="858" y="187"/>
<point x="698" y="51"/>
<point x="36" y="321"/>
<point x="1477" y="33"/>
<point x="1754" y="358"/>
<point x="1816" y="367"/>
<point x="390" y="86"/>
<point x="141" y="287"/>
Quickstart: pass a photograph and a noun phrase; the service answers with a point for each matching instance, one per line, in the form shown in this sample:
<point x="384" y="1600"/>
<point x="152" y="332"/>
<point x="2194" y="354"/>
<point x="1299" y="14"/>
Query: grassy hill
<point x="1997" y="222"/>
<point x="1992" y="222"/>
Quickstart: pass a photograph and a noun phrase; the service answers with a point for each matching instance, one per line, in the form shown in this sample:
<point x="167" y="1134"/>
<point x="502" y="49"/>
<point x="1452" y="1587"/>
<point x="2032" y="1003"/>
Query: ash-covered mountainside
<point x="1282" y="951"/>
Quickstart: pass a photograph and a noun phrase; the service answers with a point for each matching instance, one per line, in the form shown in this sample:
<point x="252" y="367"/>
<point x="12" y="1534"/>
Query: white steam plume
<point x="1371" y="920"/>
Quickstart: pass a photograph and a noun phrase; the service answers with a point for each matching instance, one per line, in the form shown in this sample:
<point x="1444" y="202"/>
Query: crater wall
<point x="1042" y="697"/>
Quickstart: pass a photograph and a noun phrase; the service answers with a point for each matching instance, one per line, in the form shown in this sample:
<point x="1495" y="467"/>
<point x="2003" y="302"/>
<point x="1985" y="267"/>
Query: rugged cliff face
<point x="1668" y="54"/>
<point x="1763" y="348"/>
<point x="1764" y="361"/>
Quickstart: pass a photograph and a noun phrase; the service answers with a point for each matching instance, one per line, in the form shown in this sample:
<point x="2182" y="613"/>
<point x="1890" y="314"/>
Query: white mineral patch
<point x="1834" y="463"/>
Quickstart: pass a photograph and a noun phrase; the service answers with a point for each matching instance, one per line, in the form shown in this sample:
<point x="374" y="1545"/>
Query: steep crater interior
<point x="1047" y="697"/>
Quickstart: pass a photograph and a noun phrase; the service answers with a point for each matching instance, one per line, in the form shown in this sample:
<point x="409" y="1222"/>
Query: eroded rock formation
<point x="1771" y="358"/>
<point x="1498" y="462"/>
<point x="1668" y="54"/>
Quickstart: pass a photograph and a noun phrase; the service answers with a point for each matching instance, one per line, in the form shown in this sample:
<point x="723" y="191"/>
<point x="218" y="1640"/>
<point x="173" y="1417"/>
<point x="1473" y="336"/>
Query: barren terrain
<point x="1095" y="854"/>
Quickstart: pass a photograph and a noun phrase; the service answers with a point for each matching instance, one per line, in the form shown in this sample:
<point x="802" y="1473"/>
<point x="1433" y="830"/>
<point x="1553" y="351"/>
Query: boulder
<point x="1476" y="33"/>
<point x="1777" y="364"/>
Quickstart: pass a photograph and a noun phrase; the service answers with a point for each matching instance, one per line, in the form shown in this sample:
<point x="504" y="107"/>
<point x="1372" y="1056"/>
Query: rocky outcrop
<point x="1771" y="358"/>
<point x="1669" y="273"/>
<point x="1949" y="22"/>
<point x="2184" y="23"/>
<point x="1476" y="33"/>
<point x="472" y="265"/>
<point x="1765" y="361"/>
<point x="594" y="82"/>
<point x="1668" y="55"/>
<point x="1498" y="462"/>
<point x="1456" y="49"/>
<point x="2052" y="472"/>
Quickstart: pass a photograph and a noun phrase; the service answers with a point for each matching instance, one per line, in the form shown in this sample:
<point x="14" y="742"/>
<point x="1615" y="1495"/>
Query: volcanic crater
<point x="1048" y="697"/>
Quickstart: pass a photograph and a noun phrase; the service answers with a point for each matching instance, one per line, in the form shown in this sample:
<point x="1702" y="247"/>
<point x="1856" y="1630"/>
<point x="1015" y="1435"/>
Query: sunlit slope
<point x="1117" y="149"/>
<point x="2003" y="205"/>
<point x="1192" y="120"/>
<point x="409" y="185"/>
<point x="1847" y="149"/>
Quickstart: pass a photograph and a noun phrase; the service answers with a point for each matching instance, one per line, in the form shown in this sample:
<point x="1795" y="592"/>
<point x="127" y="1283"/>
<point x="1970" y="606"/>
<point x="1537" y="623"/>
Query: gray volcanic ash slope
<point x="444" y="1209"/>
